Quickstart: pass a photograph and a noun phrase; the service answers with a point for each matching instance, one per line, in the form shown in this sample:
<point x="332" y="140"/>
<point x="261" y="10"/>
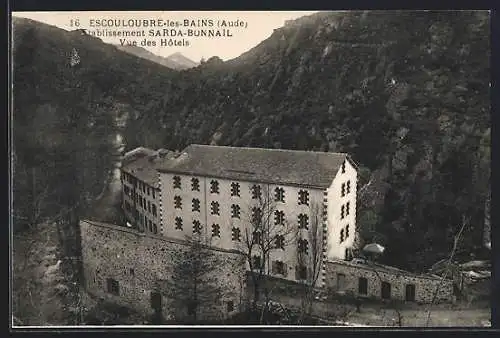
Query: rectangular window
<point x="279" y="217"/>
<point x="279" y="195"/>
<point x="362" y="286"/>
<point x="235" y="189"/>
<point x="340" y="282"/>
<point x="214" y="187"/>
<point x="341" y="235"/>
<point x="153" y="193"/>
<point x="303" y="221"/>
<point x="347" y="254"/>
<point x="279" y="242"/>
<point x="150" y="225"/>
<point x="153" y="208"/>
<point x="256" y="216"/>
<point x="303" y="245"/>
<point x="348" y="204"/>
<point x="303" y="197"/>
<point x="149" y="206"/>
<point x="195" y="184"/>
<point x="215" y="230"/>
<point x="235" y="211"/>
<point x="196" y="227"/>
<point x="132" y="272"/>
<point x="230" y="306"/>
<point x="348" y="187"/>
<point x="236" y="234"/>
<point x="347" y="231"/>
<point x="177" y="202"/>
<point x="342" y="190"/>
<point x="256" y="192"/>
<point x="178" y="223"/>
<point x="177" y="182"/>
<point x="278" y="268"/>
<point x="342" y="211"/>
<point x="149" y="191"/>
<point x="113" y="286"/>
<point x="196" y="205"/>
<point x="155" y="228"/>
<point x="343" y="168"/>
<point x="214" y="208"/>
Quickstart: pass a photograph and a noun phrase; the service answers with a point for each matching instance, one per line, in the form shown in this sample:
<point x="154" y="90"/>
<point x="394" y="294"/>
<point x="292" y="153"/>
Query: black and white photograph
<point x="250" y="169"/>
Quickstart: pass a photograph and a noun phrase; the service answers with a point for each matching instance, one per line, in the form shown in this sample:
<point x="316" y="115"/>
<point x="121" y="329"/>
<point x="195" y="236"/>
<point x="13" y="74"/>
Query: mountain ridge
<point x="176" y="60"/>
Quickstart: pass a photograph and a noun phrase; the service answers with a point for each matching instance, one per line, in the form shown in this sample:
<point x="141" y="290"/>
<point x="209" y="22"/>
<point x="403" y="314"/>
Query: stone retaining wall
<point x="138" y="261"/>
<point x="424" y="286"/>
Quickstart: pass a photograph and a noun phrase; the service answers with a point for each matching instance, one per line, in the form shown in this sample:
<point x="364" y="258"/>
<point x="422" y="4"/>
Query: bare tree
<point x="312" y="258"/>
<point x="449" y="266"/>
<point x="266" y="230"/>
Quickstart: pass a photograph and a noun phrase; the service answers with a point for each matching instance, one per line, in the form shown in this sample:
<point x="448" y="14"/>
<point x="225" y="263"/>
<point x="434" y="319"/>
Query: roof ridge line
<point x="267" y="149"/>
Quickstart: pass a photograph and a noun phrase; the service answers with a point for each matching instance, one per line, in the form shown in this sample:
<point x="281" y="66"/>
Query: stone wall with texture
<point x="376" y="281"/>
<point x="124" y="266"/>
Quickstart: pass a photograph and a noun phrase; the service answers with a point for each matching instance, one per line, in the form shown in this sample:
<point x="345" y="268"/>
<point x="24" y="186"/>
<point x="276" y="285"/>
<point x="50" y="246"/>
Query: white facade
<point x="140" y="202"/>
<point x="341" y="230"/>
<point x="166" y="200"/>
<point x="336" y="226"/>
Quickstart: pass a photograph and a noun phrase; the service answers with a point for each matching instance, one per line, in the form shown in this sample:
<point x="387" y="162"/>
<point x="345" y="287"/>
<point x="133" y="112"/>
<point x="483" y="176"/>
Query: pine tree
<point x="193" y="287"/>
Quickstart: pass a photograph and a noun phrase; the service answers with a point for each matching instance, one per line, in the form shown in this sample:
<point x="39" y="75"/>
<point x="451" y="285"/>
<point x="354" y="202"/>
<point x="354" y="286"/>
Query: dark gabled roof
<point x="279" y="166"/>
<point x="141" y="163"/>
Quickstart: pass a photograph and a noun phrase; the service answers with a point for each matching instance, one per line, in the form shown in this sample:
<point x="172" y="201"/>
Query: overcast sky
<point x="260" y="25"/>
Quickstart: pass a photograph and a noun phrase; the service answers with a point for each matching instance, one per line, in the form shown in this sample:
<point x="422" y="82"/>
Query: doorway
<point x="410" y="293"/>
<point x="386" y="290"/>
<point x="156" y="301"/>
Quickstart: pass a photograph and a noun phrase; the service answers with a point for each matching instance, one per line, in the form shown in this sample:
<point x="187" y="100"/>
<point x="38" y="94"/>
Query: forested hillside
<point x="406" y="93"/>
<point x="69" y="91"/>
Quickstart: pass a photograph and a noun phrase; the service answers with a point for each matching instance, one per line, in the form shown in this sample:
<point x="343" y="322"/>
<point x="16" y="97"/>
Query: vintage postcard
<point x="263" y="168"/>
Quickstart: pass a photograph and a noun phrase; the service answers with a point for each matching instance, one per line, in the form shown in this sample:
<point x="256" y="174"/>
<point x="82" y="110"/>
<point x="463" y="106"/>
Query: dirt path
<point x="442" y="315"/>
